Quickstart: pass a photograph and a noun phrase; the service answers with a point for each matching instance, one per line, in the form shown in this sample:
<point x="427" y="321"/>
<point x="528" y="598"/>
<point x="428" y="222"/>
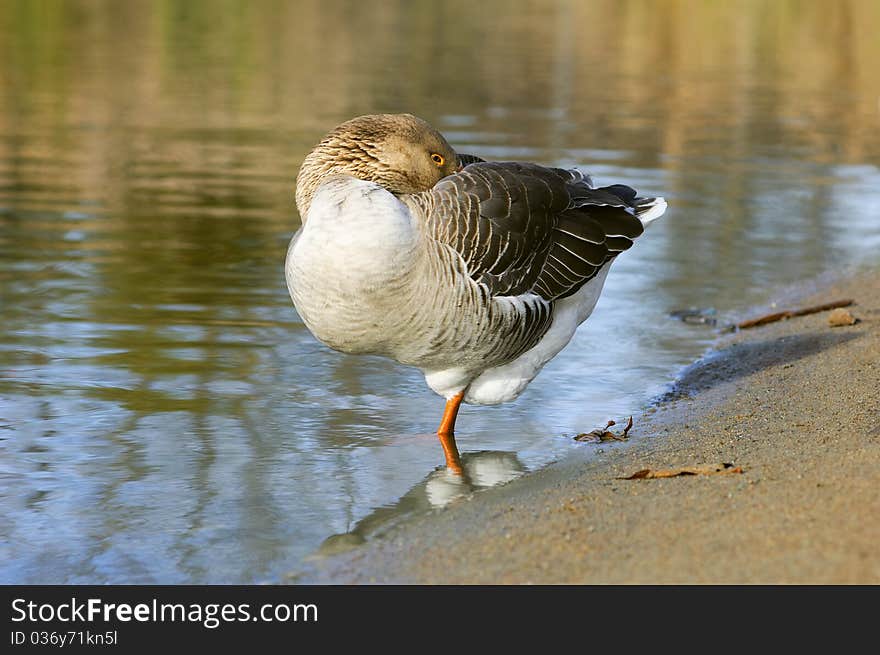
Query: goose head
<point x="400" y="152"/>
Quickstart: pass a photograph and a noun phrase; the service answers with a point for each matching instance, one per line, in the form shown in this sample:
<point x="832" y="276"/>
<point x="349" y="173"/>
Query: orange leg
<point x="446" y="432"/>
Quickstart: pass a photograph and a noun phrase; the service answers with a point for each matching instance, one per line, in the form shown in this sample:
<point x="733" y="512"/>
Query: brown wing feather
<point x="524" y="228"/>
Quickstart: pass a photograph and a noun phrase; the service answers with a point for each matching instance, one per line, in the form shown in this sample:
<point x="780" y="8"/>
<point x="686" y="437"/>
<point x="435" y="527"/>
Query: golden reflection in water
<point x="639" y="74"/>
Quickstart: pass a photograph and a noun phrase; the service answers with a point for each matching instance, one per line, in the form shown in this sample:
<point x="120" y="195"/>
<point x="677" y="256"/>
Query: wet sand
<point x="795" y="404"/>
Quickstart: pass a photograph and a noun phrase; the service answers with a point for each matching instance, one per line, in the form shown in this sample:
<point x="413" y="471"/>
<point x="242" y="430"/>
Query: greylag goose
<point x="478" y="273"/>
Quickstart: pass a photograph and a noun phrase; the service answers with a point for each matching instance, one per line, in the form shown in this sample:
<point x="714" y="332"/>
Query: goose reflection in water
<point x="480" y="470"/>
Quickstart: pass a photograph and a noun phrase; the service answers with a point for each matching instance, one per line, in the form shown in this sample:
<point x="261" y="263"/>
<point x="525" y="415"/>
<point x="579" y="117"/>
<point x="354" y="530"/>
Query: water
<point x="164" y="415"/>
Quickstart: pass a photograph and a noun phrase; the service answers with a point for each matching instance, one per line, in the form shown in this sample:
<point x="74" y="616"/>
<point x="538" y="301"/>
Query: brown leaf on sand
<point x="648" y="474"/>
<point x="604" y="434"/>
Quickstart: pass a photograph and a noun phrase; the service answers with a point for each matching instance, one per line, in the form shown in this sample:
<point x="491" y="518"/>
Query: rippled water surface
<point x="164" y="414"/>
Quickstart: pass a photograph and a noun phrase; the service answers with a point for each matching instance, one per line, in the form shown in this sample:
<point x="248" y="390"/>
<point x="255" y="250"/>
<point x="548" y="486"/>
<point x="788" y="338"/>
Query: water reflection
<point x="164" y="415"/>
<point x="481" y="470"/>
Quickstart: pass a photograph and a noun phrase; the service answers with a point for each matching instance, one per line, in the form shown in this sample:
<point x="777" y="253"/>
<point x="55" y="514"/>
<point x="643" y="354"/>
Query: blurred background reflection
<point x="164" y="415"/>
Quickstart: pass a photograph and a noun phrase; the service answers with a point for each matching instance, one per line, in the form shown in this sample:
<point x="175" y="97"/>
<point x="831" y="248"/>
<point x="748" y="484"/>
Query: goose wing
<point x="524" y="228"/>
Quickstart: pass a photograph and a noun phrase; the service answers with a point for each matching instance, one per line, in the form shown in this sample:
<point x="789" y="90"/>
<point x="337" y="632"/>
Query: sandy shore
<point x="795" y="404"/>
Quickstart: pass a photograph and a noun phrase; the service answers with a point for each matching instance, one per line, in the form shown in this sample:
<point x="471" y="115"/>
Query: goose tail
<point x="649" y="210"/>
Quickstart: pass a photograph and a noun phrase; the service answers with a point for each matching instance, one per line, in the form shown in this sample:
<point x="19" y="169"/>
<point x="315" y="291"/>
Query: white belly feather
<point x="504" y="383"/>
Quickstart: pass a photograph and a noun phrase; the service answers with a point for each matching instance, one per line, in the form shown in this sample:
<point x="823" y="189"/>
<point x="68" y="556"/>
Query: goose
<point x="476" y="272"/>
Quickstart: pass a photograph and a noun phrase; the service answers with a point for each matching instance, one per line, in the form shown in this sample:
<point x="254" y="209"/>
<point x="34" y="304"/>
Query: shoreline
<point x="795" y="404"/>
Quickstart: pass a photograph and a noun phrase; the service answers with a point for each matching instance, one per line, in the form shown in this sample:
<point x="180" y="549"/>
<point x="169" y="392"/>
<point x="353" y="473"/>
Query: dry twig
<point x="781" y="316"/>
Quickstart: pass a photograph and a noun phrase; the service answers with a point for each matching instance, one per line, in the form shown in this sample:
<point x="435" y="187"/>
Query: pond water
<point x="165" y="417"/>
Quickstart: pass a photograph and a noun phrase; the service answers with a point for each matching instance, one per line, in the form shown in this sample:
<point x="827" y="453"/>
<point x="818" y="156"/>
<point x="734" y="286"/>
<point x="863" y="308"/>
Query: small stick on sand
<point x="780" y="316"/>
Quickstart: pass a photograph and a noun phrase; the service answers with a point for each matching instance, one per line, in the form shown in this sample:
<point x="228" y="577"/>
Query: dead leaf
<point x="648" y="474"/>
<point x="604" y="434"/>
<point x="840" y="317"/>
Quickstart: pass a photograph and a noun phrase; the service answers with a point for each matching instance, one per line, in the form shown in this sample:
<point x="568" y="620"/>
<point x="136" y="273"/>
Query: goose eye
<point x="438" y="159"/>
